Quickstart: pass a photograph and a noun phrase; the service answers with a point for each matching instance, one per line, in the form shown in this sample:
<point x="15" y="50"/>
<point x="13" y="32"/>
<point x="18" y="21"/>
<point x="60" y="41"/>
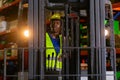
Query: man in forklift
<point x="53" y="48"/>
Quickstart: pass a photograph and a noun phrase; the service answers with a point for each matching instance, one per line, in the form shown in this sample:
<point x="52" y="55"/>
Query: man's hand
<point x="60" y="58"/>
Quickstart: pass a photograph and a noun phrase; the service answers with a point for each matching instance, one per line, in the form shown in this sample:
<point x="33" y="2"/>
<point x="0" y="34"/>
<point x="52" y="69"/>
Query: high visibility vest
<point x="52" y="58"/>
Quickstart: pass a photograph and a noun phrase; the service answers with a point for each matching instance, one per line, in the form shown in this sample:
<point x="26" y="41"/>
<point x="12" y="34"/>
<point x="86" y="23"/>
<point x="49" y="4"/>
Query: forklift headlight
<point x="26" y="33"/>
<point x="106" y="32"/>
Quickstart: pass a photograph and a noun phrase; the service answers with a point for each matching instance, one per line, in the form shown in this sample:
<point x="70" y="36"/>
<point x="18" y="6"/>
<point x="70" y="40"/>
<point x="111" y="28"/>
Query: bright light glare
<point x="26" y="33"/>
<point x="106" y="32"/>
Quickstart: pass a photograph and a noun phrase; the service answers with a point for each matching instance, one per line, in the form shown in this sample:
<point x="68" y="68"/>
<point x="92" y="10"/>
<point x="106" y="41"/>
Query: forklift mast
<point x="84" y="39"/>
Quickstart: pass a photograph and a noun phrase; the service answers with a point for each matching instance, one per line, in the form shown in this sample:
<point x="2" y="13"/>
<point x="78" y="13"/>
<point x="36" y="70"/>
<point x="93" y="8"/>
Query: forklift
<point x="84" y="42"/>
<point x="85" y="47"/>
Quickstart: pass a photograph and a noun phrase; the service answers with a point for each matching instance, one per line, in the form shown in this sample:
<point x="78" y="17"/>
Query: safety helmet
<point x="55" y="16"/>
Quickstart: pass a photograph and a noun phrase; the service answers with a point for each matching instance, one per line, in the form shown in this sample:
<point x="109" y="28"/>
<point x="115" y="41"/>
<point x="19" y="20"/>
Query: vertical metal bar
<point x="20" y="13"/>
<point x="114" y="67"/>
<point x="63" y="49"/>
<point x="72" y="56"/>
<point x="36" y="14"/>
<point x="22" y="65"/>
<point x="112" y="43"/>
<point x="35" y="35"/>
<point x="41" y="36"/>
<point x="92" y="35"/>
<point x="5" y="67"/>
<point x="100" y="49"/>
<point x="72" y="33"/>
<point x="78" y="68"/>
<point x="77" y="45"/>
<point x="66" y="24"/>
<point x="67" y="39"/>
<point x="98" y="56"/>
<point x="35" y="60"/>
<point x="103" y="41"/>
<point x="30" y="24"/>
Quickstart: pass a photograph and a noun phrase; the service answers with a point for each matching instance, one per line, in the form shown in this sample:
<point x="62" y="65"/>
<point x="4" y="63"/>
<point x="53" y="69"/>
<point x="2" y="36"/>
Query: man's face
<point x="57" y="26"/>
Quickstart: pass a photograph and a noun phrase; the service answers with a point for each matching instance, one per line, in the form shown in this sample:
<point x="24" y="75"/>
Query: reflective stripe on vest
<point x="51" y="56"/>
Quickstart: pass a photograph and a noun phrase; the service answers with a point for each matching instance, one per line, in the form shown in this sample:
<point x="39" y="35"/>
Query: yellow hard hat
<point x="56" y="16"/>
